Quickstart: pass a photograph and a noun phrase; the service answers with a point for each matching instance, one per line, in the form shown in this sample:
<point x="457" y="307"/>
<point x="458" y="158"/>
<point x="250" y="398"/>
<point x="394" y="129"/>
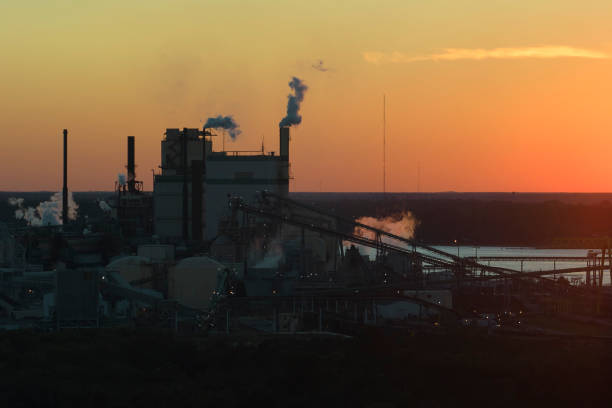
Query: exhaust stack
<point x="131" y="165"/>
<point x="65" y="190"/>
<point x="284" y="142"/>
<point x="284" y="157"/>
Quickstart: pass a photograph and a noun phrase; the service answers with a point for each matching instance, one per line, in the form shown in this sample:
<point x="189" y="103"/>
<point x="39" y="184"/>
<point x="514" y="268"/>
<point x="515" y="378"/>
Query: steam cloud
<point x="293" y="104"/>
<point x="402" y="224"/>
<point x="104" y="206"/>
<point x="15" y="202"/>
<point x="45" y="213"/>
<point x="319" y="66"/>
<point x="224" y="122"/>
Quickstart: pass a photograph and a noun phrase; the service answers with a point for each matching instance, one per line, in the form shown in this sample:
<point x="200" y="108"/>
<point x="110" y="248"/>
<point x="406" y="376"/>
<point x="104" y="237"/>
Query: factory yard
<point x="306" y="204"/>
<point x="379" y="368"/>
<point x="220" y="288"/>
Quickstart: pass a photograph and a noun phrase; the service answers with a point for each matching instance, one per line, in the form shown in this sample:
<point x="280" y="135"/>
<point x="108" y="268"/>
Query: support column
<point x="588" y="274"/>
<point x="601" y="271"/>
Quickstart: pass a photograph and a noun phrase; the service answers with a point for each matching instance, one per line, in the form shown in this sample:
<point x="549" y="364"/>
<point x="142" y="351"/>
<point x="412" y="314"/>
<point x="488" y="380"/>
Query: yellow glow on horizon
<point x="454" y="54"/>
<point x="483" y="97"/>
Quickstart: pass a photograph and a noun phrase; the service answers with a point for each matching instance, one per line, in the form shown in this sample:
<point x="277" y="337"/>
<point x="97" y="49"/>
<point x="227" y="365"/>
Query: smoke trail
<point x="320" y="66"/>
<point x="401" y="224"/>
<point x="104" y="206"/>
<point x="45" y="213"/>
<point x="121" y="179"/>
<point x="224" y="122"/>
<point x="15" y="202"/>
<point x="293" y="104"/>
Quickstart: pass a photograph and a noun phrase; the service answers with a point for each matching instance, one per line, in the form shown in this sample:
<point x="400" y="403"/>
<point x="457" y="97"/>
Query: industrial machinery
<point x="132" y="207"/>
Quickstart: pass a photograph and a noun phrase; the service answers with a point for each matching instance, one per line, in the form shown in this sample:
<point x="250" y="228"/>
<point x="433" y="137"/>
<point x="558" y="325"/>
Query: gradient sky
<point x="470" y="98"/>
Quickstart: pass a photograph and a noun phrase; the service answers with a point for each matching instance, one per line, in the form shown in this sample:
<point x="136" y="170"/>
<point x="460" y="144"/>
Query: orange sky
<point x="483" y="96"/>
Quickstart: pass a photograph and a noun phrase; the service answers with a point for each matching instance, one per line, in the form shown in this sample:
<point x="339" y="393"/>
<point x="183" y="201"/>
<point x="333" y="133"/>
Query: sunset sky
<point x="481" y="95"/>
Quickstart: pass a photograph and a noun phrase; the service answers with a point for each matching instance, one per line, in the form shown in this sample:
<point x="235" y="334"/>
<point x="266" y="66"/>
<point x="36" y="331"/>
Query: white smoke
<point x="269" y="261"/>
<point x="15" y="202"/>
<point x="45" y="213"/>
<point x="265" y="253"/>
<point x="104" y="206"/>
<point x="401" y="224"/>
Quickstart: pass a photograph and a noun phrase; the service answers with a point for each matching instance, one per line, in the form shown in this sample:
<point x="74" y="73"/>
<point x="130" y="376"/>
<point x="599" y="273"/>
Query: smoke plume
<point x="293" y="104"/>
<point x="401" y="224"/>
<point x="320" y="66"/>
<point x="45" y="213"/>
<point x="104" y="206"/>
<point x="15" y="202"/>
<point x="224" y="122"/>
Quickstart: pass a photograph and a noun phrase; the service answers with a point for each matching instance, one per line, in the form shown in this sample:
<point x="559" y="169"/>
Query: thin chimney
<point x="284" y="142"/>
<point x="65" y="190"/>
<point x="131" y="165"/>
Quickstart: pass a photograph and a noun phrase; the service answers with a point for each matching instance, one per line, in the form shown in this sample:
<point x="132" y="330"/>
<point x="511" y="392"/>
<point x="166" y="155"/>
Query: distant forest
<point x="469" y="218"/>
<point x="481" y="219"/>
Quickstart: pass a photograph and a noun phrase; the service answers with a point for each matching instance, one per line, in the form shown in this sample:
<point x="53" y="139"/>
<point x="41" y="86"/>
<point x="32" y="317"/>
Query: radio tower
<point x="384" y="144"/>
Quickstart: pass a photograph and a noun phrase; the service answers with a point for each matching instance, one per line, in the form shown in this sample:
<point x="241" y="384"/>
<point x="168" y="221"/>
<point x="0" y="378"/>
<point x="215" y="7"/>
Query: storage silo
<point x="136" y="270"/>
<point x="194" y="281"/>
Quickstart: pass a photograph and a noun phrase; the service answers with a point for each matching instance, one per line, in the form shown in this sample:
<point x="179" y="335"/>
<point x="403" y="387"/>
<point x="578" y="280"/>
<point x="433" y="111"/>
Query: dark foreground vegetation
<point x="115" y="368"/>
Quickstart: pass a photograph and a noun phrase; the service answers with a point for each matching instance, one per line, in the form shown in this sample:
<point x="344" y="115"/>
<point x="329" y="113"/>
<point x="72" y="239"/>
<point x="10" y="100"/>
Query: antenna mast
<point x="384" y="143"/>
<point x="418" y="177"/>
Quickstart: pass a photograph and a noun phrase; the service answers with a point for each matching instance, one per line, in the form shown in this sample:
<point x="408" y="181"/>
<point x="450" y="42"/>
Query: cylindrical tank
<point x="134" y="269"/>
<point x="193" y="281"/>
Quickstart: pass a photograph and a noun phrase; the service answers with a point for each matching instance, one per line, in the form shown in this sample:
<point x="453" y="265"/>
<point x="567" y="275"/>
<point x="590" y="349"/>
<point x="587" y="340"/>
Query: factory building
<point x="179" y="190"/>
<point x="133" y="208"/>
<point x="243" y="173"/>
<point x="191" y="193"/>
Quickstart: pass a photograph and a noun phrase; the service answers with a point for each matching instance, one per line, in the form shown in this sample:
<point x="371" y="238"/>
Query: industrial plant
<point x="219" y="246"/>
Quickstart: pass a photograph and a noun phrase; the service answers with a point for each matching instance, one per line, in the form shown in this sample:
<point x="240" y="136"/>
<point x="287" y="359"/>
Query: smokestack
<point x="131" y="165"/>
<point x="197" y="172"/>
<point x="185" y="188"/>
<point x="284" y="142"/>
<point x="65" y="190"/>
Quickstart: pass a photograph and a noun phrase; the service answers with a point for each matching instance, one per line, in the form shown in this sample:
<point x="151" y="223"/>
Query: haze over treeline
<point x="472" y="219"/>
<point x="480" y="95"/>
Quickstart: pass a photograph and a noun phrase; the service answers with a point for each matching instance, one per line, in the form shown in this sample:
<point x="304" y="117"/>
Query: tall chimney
<point x="131" y="165"/>
<point x="197" y="173"/>
<point x="284" y="142"/>
<point x="184" y="165"/>
<point x="284" y="156"/>
<point x="65" y="190"/>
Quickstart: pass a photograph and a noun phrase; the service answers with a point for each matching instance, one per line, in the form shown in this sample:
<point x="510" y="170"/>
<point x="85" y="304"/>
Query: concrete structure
<point x="76" y="297"/>
<point x="65" y="188"/>
<point x="133" y="208"/>
<point x="191" y="193"/>
<point x="157" y="252"/>
<point x="178" y="212"/>
<point x="134" y="269"/>
<point x="7" y="247"/>
<point x="243" y="174"/>
<point x="194" y="282"/>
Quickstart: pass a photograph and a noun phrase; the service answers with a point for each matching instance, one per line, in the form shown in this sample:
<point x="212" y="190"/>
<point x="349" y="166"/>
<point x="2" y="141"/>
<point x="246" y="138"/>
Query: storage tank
<point x="157" y="252"/>
<point x="193" y="281"/>
<point x="7" y="247"/>
<point x="134" y="269"/>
